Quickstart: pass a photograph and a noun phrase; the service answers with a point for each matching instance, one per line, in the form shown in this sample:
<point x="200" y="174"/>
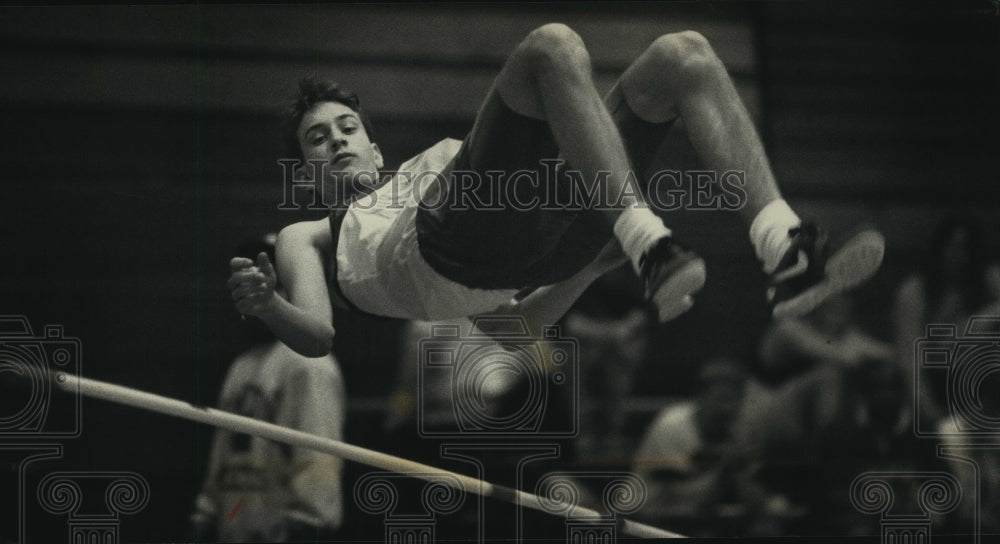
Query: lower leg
<point x="679" y="75"/>
<point x="549" y="77"/>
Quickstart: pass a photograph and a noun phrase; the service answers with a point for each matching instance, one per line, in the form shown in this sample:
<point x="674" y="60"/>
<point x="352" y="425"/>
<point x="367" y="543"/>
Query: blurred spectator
<point x="955" y="283"/>
<point x="431" y="396"/>
<point x="701" y="479"/>
<point x="982" y="449"/>
<point x="818" y="431"/>
<point x="257" y="490"/>
<point x="985" y="455"/>
<point x="613" y="326"/>
<point x="992" y="308"/>
<point x="456" y="383"/>
<point x="827" y="335"/>
<point x="612" y="347"/>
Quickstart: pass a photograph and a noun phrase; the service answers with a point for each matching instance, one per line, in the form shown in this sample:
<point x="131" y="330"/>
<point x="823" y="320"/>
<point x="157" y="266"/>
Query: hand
<point x="252" y="284"/>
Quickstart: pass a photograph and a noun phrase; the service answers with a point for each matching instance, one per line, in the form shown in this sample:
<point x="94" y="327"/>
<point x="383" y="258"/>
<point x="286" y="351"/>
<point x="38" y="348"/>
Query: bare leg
<point x="679" y="74"/>
<point x="549" y="77"/>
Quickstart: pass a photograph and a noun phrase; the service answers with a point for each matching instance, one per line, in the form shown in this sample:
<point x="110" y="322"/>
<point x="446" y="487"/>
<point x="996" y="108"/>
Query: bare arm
<point x="546" y="306"/>
<point x="793" y="339"/>
<point x="304" y="322"/>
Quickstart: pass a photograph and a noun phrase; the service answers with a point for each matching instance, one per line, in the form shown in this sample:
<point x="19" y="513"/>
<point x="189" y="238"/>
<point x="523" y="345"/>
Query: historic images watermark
<point x="463" y="374"/>
<point x="937" y="493"/>
<point x="551" y="187"/>
<point x="32" y="408"/>
<point x="969" y="364"/>
<point x="39" y="410"/>
<point x="378" y="493"/>
<point x="498" y="396"/>
<point x="966" y="367"/>
<point x="93" y="501"/>
<point x="591" y="519"/>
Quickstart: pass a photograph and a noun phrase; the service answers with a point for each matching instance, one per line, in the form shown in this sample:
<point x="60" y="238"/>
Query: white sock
<point x="769" y="232"/>
<point x="637" y="230"/>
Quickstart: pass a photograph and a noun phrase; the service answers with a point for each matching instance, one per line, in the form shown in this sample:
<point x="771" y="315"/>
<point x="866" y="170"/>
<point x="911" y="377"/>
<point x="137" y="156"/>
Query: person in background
<point x="700" y="475"/>
<point x="613" y="329"/>
<point x="960" y="279"/>
<point x="954" y="284"/>
<point x="827" y="335"/>
<point x="257" y="490"/>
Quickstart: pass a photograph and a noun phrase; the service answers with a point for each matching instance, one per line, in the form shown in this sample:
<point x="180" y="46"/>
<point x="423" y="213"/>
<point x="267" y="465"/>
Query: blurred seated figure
<point x="458" y="386"/>
<point x="955" y="283"/>
<point x="456" y="381"/>
<point x="992" y="308"/>
<point x="959" y="280"/>
<point x="827" y="335"/>
<point x="981" y="449"/>
<point x="613" y="328"/>
<point x="426" y="398"/>
<point x="818" y="431"/>
<point x="611" y="350"/>
<point x="257" y="490"/>
<point x="700" y="476"/>
<point x="985" y="455"/>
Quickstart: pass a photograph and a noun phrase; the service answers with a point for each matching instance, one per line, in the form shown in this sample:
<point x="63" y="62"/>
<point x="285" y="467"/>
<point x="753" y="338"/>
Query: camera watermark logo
<point x="568" y="493"/>
<point x="937" y="493"/>
<point x="34" y="365"/>
<point x="495" y="380"/>
<point x="970" y="366"/>
<point x="378" y="493"/>
<point x="93" y="501"/>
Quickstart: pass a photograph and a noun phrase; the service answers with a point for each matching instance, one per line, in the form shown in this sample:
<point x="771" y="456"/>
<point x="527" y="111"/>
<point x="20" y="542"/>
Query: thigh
<point x="506" y="245"/>
<point x="650" y="146"/>
<point x="502" y="139"/>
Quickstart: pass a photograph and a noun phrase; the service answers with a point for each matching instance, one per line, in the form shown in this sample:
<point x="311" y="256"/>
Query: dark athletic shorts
<point x="508" y="245"/>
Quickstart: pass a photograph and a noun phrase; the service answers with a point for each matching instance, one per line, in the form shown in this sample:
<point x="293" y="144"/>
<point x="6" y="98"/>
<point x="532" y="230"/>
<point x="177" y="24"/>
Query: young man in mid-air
<point x="397" y="256"/>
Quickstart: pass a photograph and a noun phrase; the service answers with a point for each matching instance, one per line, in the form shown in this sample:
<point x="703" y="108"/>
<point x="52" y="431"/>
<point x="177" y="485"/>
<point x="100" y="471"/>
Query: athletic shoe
<point x="672" y="274"/>
<point x="818" y="266"/>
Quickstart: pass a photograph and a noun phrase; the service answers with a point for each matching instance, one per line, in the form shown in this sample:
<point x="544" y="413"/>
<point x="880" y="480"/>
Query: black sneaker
<point x="672" y="274"/>
<point x="817" y="267"/>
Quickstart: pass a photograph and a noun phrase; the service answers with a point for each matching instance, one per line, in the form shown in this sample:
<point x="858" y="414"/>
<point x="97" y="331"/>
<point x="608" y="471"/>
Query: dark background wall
<point x="140" y="146"/>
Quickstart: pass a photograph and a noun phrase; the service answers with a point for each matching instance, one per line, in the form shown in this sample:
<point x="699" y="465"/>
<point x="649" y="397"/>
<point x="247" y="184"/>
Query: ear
<point x="379" y="162"/>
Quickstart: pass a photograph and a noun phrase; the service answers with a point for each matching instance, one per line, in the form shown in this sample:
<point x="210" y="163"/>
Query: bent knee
<point x="684" y="54"/>
<point x="554" y="45"/>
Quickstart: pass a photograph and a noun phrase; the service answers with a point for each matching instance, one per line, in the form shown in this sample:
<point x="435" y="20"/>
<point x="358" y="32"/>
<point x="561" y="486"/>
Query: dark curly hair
<point x="314" y="91"/>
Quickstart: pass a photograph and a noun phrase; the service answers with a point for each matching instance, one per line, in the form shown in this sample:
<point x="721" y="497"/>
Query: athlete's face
<point x="332" y="134"/>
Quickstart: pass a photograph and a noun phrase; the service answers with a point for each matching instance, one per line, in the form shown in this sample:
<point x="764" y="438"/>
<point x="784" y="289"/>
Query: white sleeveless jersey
<point x="379" y="265"/>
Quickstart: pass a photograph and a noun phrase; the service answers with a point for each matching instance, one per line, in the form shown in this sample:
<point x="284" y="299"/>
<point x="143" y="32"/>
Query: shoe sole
<point x="856" y="262"/>
<point x="674" y="296"/>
